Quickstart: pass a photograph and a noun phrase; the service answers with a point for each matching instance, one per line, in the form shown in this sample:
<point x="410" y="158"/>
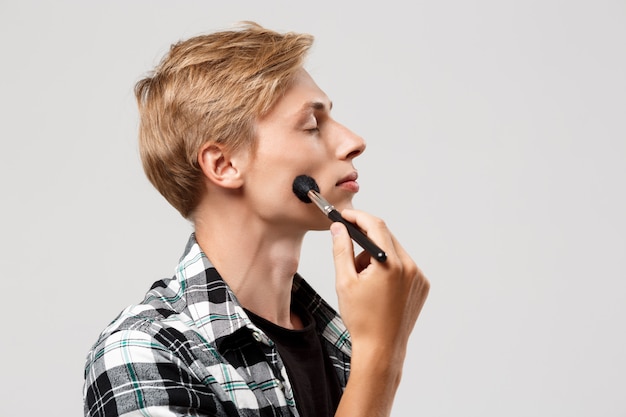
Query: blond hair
<point x="210" y="88"/>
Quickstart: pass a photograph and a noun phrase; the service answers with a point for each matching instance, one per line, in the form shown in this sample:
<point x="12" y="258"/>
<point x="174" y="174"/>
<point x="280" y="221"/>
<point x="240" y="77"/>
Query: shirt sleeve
<point x="131" y="372"/>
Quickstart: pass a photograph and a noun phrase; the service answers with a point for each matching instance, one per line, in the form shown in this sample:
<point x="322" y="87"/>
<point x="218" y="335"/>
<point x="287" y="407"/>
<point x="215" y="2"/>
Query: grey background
<point x="496" y="152"/>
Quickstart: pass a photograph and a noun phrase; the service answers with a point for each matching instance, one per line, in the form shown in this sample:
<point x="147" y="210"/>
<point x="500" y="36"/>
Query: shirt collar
<point x="213" y="307"/>
<point x="218" y="315"/>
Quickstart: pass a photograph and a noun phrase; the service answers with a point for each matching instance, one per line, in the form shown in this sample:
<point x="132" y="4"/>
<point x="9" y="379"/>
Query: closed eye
<point x="312" y="125"/>
<point x="310" y="115"/>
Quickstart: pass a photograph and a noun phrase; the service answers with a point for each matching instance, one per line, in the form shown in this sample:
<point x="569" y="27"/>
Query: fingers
<point x="373" y="227"/>
<point x="398" y="260"/>
<point x="377" y="231"/>
<point x="400" y="266"/>
<point x="343" y="252"/>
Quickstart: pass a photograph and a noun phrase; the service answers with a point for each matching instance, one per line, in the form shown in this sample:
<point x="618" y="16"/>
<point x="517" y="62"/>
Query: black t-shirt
<point x="315" y="384"/>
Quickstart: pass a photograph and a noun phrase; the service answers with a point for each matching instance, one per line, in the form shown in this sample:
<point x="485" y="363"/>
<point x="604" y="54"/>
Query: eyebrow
<point x="304" y="113"/>
<point x="315" y="105"/>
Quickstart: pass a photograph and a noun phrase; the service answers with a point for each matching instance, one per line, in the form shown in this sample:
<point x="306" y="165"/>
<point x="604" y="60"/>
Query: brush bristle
<point x="301" y="186"/>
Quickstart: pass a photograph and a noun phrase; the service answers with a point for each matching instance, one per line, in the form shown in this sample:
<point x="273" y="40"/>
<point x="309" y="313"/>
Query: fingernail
<point x="336" y="229"/>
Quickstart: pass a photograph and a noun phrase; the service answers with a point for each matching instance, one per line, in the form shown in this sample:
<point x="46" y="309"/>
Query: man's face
<point x="299" y="136"/>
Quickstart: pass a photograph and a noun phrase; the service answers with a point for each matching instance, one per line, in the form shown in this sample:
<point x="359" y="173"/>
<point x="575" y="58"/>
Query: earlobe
<point x="219" y="166"/>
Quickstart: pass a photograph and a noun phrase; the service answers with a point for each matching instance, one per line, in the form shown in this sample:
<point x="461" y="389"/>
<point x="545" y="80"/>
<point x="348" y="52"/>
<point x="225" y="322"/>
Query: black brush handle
<point x="359" y="237"/>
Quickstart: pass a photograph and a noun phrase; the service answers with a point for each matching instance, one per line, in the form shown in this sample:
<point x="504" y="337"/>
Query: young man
<point x="228" y="120"/>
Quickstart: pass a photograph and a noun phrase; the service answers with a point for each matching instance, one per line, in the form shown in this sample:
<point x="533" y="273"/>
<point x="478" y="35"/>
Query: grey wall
<point x="496" y="151"/>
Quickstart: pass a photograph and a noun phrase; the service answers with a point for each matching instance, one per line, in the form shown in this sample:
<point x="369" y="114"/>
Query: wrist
<point x="371" y="389"/>
<point x="382" y="363"/>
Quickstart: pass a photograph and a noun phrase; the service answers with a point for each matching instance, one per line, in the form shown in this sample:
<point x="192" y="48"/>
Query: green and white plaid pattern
<point x="189" y="349"/>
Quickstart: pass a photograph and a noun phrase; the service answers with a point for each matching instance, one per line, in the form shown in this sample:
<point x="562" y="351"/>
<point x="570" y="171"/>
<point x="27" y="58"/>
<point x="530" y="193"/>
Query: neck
<point x="259" y="267"/>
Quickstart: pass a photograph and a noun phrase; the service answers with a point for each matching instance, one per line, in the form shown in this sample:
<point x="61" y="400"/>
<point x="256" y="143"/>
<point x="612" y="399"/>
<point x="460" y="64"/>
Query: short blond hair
<point x="210" y="88"/>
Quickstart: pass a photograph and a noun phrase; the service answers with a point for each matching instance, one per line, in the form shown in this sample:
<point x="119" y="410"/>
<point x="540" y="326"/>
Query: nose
<point x="350" y="144"/>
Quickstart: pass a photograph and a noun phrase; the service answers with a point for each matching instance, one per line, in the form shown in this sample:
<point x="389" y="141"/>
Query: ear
<point x="221" y="167"/>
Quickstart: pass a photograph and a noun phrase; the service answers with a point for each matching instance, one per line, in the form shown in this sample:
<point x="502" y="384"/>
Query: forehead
<point x="302" y="95"/>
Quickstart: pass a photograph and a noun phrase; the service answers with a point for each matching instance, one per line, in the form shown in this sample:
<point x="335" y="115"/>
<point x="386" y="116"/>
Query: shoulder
<point x="147" y="333"/>
<point x="142" y="361"/>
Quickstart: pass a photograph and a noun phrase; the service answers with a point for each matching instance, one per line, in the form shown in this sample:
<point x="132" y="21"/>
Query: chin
<point x="343" y="205"/>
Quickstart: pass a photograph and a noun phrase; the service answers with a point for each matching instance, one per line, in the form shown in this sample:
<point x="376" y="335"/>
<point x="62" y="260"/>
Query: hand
<point x="379" y="302"/>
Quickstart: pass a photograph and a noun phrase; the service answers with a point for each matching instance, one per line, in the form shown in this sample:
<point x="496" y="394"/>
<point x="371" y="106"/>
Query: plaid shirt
<point x="189" y="349"/>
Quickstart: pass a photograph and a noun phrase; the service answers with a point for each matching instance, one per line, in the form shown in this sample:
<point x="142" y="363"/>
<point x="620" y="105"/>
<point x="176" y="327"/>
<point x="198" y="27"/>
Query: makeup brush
<point x="306" y="189"/>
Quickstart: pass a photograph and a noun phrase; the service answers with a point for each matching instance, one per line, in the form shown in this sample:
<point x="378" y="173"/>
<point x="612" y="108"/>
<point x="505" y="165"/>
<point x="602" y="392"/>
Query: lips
<point x="350" y="177"/>
<point x="349" y="182"/>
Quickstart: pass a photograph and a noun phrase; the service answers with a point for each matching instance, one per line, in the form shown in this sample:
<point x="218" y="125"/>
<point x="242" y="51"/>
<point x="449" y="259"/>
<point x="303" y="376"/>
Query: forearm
<point x="372" y="386"/>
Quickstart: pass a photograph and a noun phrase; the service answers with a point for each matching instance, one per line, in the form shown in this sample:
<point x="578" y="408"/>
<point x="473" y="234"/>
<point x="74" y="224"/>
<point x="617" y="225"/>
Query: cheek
<point x="270" y="184"/>
<point x="278" y="163"/>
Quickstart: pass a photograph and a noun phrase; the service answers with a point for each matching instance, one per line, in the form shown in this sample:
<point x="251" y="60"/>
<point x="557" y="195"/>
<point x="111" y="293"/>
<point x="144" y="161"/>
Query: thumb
<point x="343" y="252"/>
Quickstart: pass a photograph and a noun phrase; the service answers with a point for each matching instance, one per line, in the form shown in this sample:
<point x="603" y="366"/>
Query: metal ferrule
<point x="320" y="202"/>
